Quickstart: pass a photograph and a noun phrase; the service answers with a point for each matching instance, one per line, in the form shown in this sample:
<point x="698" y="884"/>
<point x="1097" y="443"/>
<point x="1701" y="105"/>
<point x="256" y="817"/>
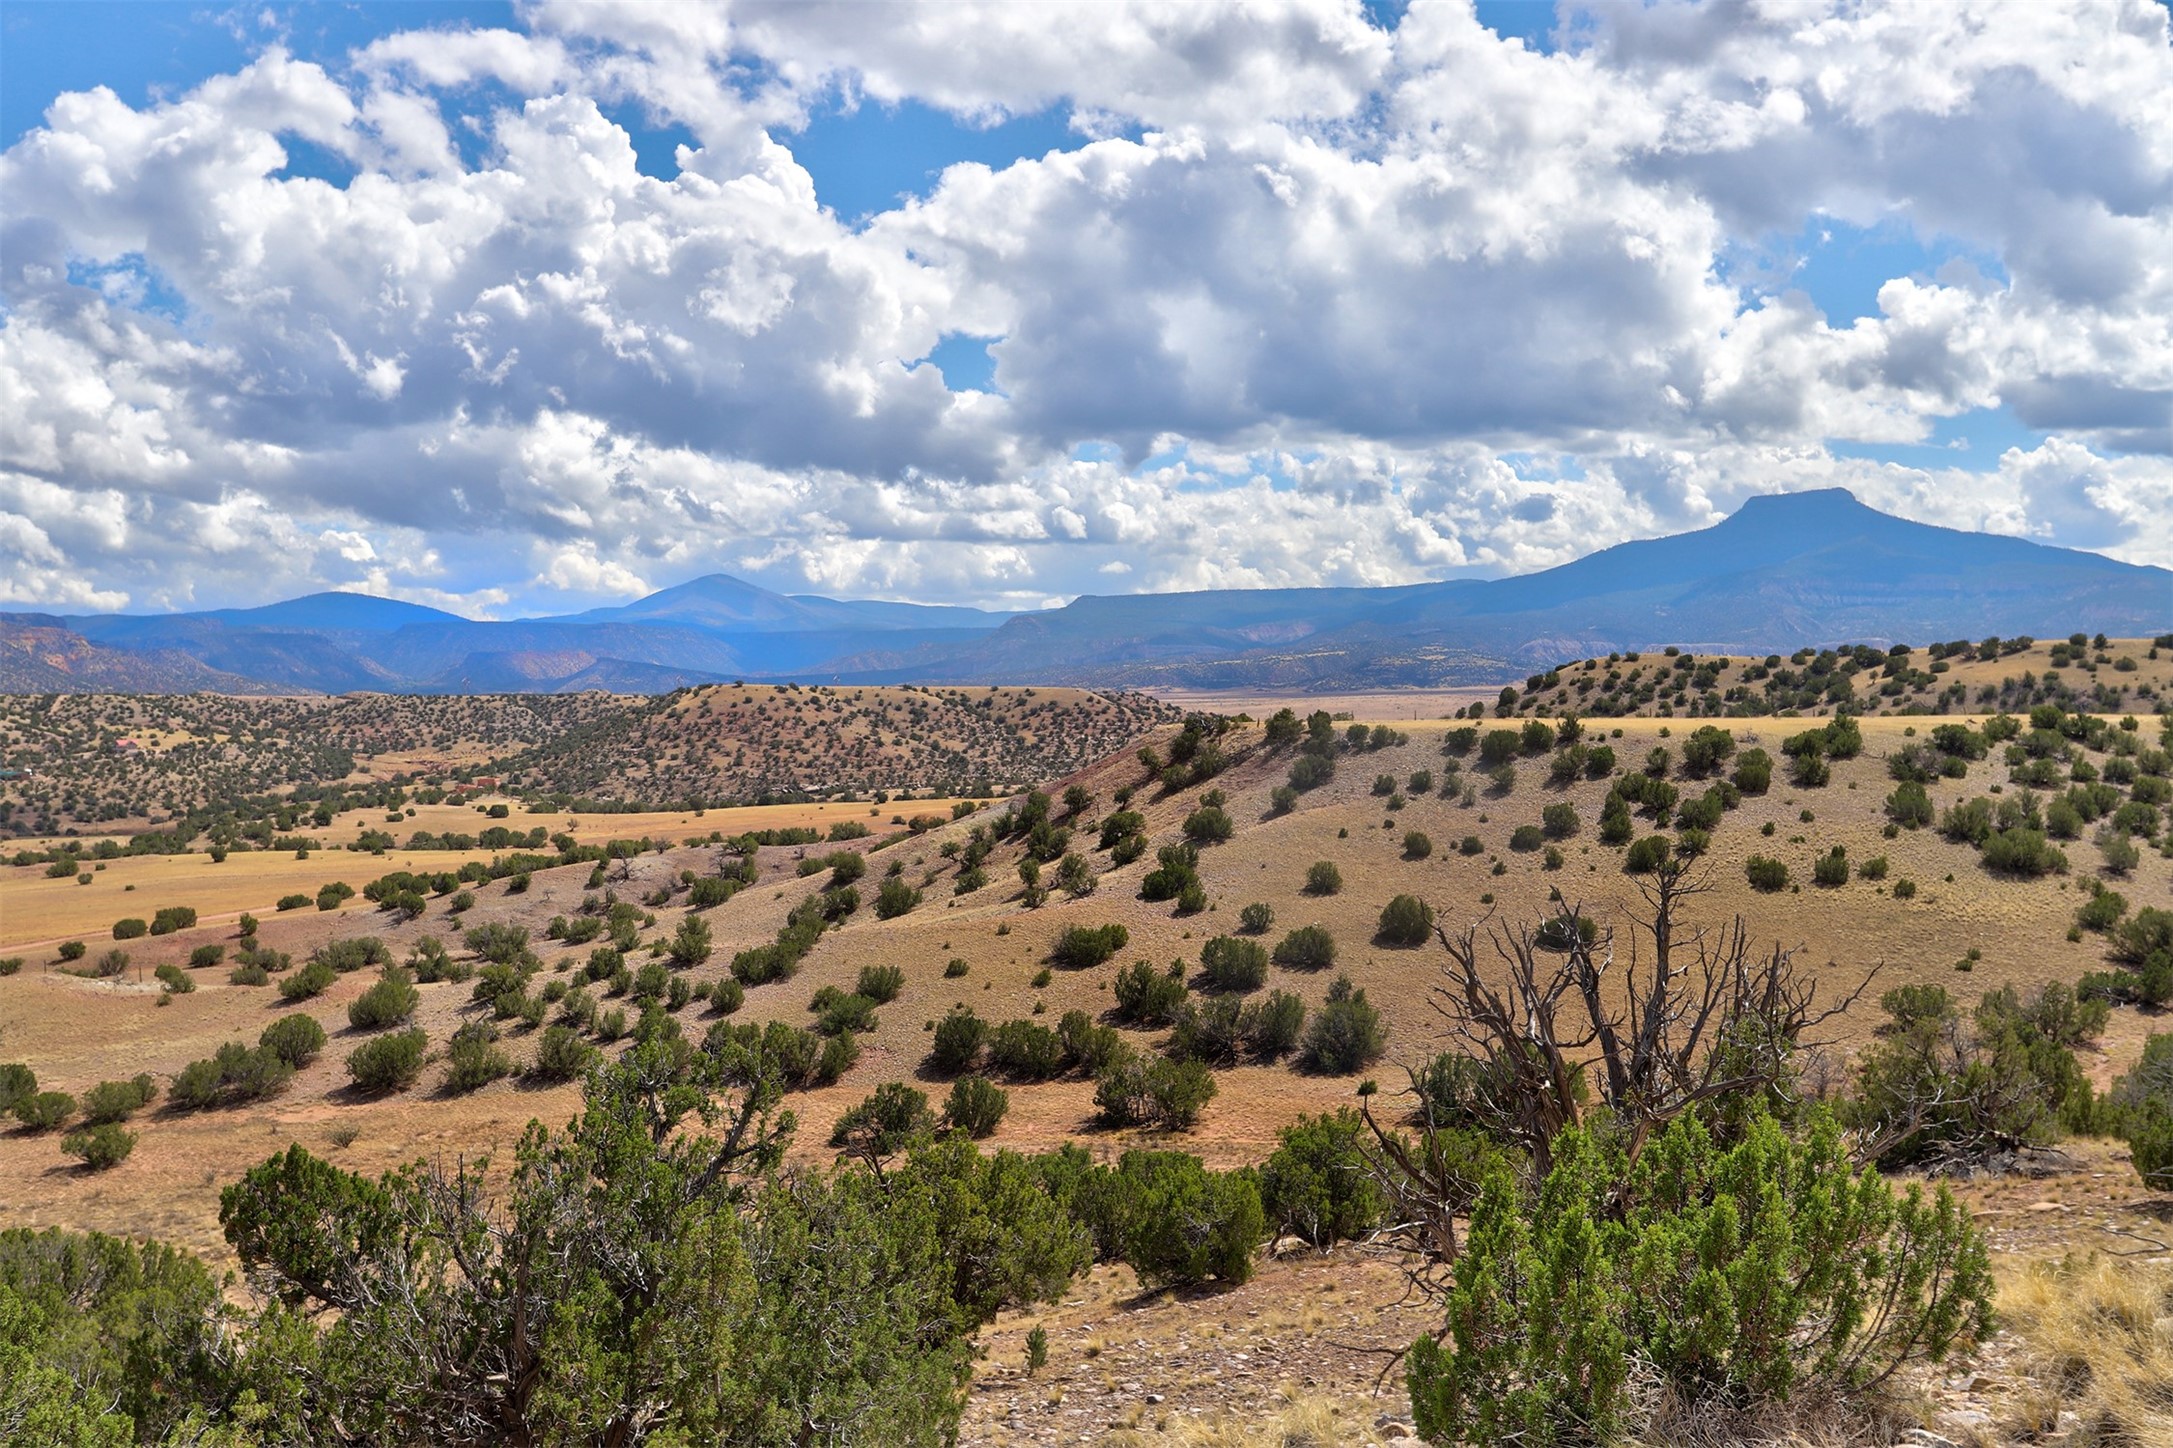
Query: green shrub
<point x="690" y="944"/>
<point x="296" y="1039"/>
<point x="1085" y="946"/>
<point x="1560" y="821"/>
<point x="1405" y="920"/>
<point x="1646" y="855"/>
<point x="173" y="918"/>
<point x="130" y="929"/>
<point x="1731" y="1274"/>
<point x="1025" y="1050"/>
<point x="1947" y="1091"/>
<point x="17" y="1082"/>
<point x="1318" y="1185"/>
<point x="1088" y="1045"/>
<point x="313" y="979"/>
<point x="1831" y="868"/>
<point x="1256" y="919"/>
<point x="880" y="983"/>
<point x="388" y="1063"/>
<point x="1309" y="947"/>
<point x="472" y="1058"/>
<point x="1765" y="873"/>
<point x="1905" y="889"/>
<point x="843" y="1012"/>
<point x="1347" y="1034"/>
<point x="388" y="1002"/>
<point x="958" y="1040"/>
<point x="1310" y="771"/>
<point x="358" y="952"/>
<point x="954" y="968"/>
<point x="1270" y="1028"/>
<point x="2150" y="1145"/>
<point x="893" y="1118"/>
<point x="174" y="978"/>
<point x="233" y="1073"/>
<point x="1232" y="964"/>
<point x="1323" y="878"/>
<point x="293" y="902"/>
<point x="1209" y="825"/>
<point x="2022" y="851"/>
<point x="72" y="950"/>
<point x="1186" y="1224"/>
<point x="101" y="1146"/>
<point x="1146" y="996"/>
<point x="1909" y="806"/>
<point x="976" y="1106"/>
<point x="1526" y="838"/>
<point x="561" y="1055"/>
<point x="44" y="1110"/>
<point x="1417" y="845"/>
<point x="1753" y="771"/>
<point x="895" y="898"/>
<point x="111" y="1101"/>
<point x="1138" y="1091"/>
<point x="839" y="1053"/>
<point x="1207" y="1031"/>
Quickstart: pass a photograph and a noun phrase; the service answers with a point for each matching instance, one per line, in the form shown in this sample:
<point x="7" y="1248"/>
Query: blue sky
<point x="1003" y="379"/>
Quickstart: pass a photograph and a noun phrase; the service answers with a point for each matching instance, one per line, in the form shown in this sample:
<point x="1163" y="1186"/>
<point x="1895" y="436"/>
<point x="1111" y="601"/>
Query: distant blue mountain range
<point x="1785" y="571"/>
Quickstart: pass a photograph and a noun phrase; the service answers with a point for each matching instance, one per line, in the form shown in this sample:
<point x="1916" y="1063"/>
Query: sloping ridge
<point x="1785" y="570"/>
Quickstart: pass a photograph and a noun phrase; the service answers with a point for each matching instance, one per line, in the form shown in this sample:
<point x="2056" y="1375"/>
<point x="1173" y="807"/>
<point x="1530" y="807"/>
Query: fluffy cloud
<point x="1325" y="303"/>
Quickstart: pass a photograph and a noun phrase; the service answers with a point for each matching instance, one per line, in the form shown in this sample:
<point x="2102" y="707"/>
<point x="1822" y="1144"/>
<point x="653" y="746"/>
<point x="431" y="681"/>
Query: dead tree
<point x="1557" y="1030"/>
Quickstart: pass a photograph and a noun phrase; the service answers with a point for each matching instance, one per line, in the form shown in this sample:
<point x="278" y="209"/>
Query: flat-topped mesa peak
<point x="1811" y="505"/>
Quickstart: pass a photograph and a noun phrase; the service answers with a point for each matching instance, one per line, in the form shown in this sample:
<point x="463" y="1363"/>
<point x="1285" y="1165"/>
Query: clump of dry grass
<point x="1809" y="1419"/>
<point x="2098" y="1339"/>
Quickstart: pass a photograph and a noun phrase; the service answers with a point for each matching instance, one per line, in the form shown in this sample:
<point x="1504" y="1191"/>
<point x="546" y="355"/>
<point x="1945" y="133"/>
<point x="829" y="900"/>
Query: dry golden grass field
<point x="36" y="911"/>
<point x="1289" y="1358"/>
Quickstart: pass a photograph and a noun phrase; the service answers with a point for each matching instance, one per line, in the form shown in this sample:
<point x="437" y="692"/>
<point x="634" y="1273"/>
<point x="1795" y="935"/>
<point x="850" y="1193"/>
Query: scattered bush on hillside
<point x="1232" y="964"/>
<point x="389" y="1002"/>
<point x="976" y="1106"/>
<point x="1765" y="873"/>
<point x="111" y="1101"/>
<point x="1143" y="1091"/>
<point x="101" y="1146"/>
<point x="1083" y="947"/>
<point x="472" y="1058"/>
<point x="1309" y="947"/>
<point x="1831" y="868"/>
<point x="1405" y="920"/>
<point x="388" y="1063"/>
<point x="1188" y="1224"/>
<point x="895" y="898"/>
<point x="1346" y="1034"/>
<point x="958" y="1040"/>
<point x="1146" y="996"/>
<point x="1946" y="1091"/>
<point x="1319" y="1184"/>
